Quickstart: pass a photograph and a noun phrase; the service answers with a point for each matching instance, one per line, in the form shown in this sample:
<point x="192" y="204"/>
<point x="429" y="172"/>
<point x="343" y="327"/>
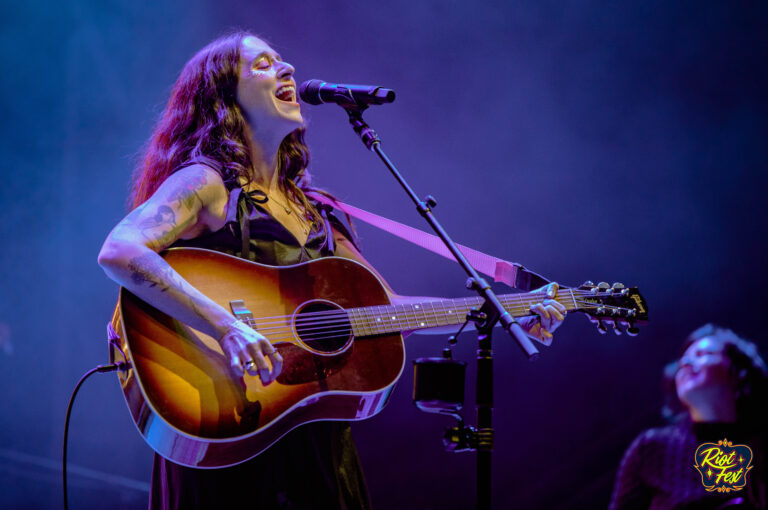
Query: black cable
<point x="101" y="368"/>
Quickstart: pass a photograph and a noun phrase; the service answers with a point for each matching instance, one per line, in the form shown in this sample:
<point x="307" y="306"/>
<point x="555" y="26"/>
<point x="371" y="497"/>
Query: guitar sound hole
<point x="323" y="327"/>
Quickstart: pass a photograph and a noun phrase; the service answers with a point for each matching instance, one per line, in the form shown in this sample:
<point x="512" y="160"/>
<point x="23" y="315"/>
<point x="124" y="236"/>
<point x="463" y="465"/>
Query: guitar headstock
<point x="612" y="306"/>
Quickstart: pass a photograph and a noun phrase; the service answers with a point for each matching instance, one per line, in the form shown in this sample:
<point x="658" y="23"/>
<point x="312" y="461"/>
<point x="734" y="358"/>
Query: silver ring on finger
<point x="249" y="364"/>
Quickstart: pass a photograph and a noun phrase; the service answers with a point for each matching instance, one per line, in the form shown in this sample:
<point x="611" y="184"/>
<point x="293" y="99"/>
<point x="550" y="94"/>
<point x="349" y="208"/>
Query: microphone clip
<point x="366" y="133"/>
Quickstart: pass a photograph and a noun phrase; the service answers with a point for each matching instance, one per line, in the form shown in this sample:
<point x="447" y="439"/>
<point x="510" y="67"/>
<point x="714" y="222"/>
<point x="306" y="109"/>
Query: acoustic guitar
<point x="332" y="321"/>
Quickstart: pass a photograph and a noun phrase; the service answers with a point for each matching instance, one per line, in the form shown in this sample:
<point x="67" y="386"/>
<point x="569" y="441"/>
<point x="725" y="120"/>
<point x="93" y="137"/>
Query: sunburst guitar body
<point x="332" y="321"/>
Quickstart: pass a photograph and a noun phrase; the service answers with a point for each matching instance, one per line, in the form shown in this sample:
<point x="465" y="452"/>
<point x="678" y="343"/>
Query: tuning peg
<point x="601" y="327"/>
<point x="617" y="285"/>
<point x="603" y="286"/>
<point x="630" y="328"/>
<point x="616" y="329"/>
<point x="618" y="289"/>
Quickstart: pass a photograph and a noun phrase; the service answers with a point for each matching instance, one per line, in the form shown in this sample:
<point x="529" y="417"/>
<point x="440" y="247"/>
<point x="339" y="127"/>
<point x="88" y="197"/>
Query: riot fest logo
<point x="723" y="466"/>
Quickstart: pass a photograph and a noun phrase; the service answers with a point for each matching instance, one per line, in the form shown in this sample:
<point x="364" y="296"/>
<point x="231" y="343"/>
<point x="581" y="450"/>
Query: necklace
<point x="288" y="209"/>
<point x="263" y="198"/>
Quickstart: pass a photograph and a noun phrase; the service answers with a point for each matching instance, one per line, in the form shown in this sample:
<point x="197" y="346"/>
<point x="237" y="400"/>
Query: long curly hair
<point x="202" y="120"/>
<point x="745" y="364"/>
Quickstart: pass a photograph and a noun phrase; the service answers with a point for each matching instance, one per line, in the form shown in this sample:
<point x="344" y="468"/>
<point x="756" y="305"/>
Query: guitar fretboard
<point x="383" y="319"/>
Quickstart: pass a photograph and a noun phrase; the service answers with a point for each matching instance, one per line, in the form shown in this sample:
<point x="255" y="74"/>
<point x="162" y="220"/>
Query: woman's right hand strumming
<point x="248" y="351"/>
<point x="188" y="203"/>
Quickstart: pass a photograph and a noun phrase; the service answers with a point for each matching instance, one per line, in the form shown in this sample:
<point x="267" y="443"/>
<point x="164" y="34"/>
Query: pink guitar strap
<point x="510" y="273"/>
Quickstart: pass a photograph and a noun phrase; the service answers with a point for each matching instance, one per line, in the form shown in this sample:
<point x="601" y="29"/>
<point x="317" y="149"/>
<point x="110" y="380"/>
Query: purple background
<point x="616" y="141"/>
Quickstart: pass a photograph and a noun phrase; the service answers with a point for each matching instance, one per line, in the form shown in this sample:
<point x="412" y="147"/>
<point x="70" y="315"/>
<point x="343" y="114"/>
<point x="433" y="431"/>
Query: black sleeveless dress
<point x="315" y="465"/>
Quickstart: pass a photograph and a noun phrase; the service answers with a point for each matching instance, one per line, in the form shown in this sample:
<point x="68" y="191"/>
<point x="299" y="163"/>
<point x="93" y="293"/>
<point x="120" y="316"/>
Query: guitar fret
<point x="368" y="329"/>
<point x="433" y="315"/>
<point x="374" y="319"/>
<point x="359" y="322"/>
<point x="377" y="320"/>
<point x="392" y="310"/>
<point x="428" y="314"/>
<point x="399" y="317"/>
<point x="367" y="326"/>
<point x="419" y="315"/>
<point x="443" y="318"/>
<point x="412" y="314"/>
<point x="408" y="316"/>
<point x="440" y="315"/>
<point x="354" y="320"/>
<point x="373" y="325"/>
<point x="450" y="314"/>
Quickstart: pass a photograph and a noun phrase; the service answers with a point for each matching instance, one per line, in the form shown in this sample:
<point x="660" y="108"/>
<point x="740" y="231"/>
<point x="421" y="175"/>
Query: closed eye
<point x="265" y="61"/>
<point x="262" y="62"/>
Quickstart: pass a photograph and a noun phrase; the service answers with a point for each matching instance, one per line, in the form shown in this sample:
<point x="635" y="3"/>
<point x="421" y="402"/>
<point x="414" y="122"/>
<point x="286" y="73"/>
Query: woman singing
<point x="226" y="169"/>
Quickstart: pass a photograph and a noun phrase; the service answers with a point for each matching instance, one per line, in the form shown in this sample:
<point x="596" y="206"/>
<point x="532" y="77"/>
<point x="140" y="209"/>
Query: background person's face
<point x="703" y="373"/>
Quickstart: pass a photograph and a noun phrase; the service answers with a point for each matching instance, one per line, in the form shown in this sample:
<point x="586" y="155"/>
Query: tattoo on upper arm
<point x="163" y="218"/>
<point x="161" y="229"/>
<point x="186" y="195"/>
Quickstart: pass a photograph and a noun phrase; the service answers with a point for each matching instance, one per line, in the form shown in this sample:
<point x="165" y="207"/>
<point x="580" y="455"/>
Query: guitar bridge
<point x="242" y="313"/>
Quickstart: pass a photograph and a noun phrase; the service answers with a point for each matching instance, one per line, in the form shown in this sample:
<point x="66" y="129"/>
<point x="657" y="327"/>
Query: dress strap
<point x="257" y="196"/>
<point x="245" y="230"/>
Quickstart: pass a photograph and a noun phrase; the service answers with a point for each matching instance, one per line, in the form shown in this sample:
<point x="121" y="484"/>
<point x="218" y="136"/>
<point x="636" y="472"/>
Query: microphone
<point x="319" y="92"/>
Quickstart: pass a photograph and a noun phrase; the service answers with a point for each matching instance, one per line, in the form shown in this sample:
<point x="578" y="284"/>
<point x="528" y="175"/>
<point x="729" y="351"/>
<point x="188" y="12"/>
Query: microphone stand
<point x="486" y="318"/>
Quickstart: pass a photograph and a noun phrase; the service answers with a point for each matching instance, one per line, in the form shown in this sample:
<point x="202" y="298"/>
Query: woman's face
<point x="704" y="373"/>
<point x="266" y="91"/>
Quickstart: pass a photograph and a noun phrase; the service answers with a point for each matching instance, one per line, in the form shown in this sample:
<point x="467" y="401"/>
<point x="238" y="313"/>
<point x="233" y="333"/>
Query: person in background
<point x="716" y="390"/>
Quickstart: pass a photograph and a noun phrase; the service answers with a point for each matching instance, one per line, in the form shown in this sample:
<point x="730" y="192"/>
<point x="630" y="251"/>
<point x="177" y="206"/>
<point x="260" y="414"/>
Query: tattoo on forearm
<point x="148" y="270"/>
<point x="197" y="306"/>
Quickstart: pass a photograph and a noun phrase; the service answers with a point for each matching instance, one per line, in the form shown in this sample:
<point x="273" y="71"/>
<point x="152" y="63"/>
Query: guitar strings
<point x="407" y="310"/>
<point x="324" y="335"/>
<point x="329" y="329"/>
<point x="343" y="316"/>
<point x="516" y="301"/>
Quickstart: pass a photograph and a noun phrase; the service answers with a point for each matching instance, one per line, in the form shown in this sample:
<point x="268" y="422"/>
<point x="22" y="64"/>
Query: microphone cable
<point x="100" y="368"/>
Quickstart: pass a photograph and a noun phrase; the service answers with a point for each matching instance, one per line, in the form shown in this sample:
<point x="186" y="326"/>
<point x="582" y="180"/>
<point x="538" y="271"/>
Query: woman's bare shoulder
<point x="196" y="181"/>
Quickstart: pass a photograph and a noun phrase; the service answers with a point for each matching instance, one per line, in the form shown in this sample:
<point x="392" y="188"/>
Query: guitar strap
<point x="510" y="273"/>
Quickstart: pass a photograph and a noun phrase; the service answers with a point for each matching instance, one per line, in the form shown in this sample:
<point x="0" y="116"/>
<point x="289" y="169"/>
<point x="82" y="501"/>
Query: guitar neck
<point x="384" y="319"/>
